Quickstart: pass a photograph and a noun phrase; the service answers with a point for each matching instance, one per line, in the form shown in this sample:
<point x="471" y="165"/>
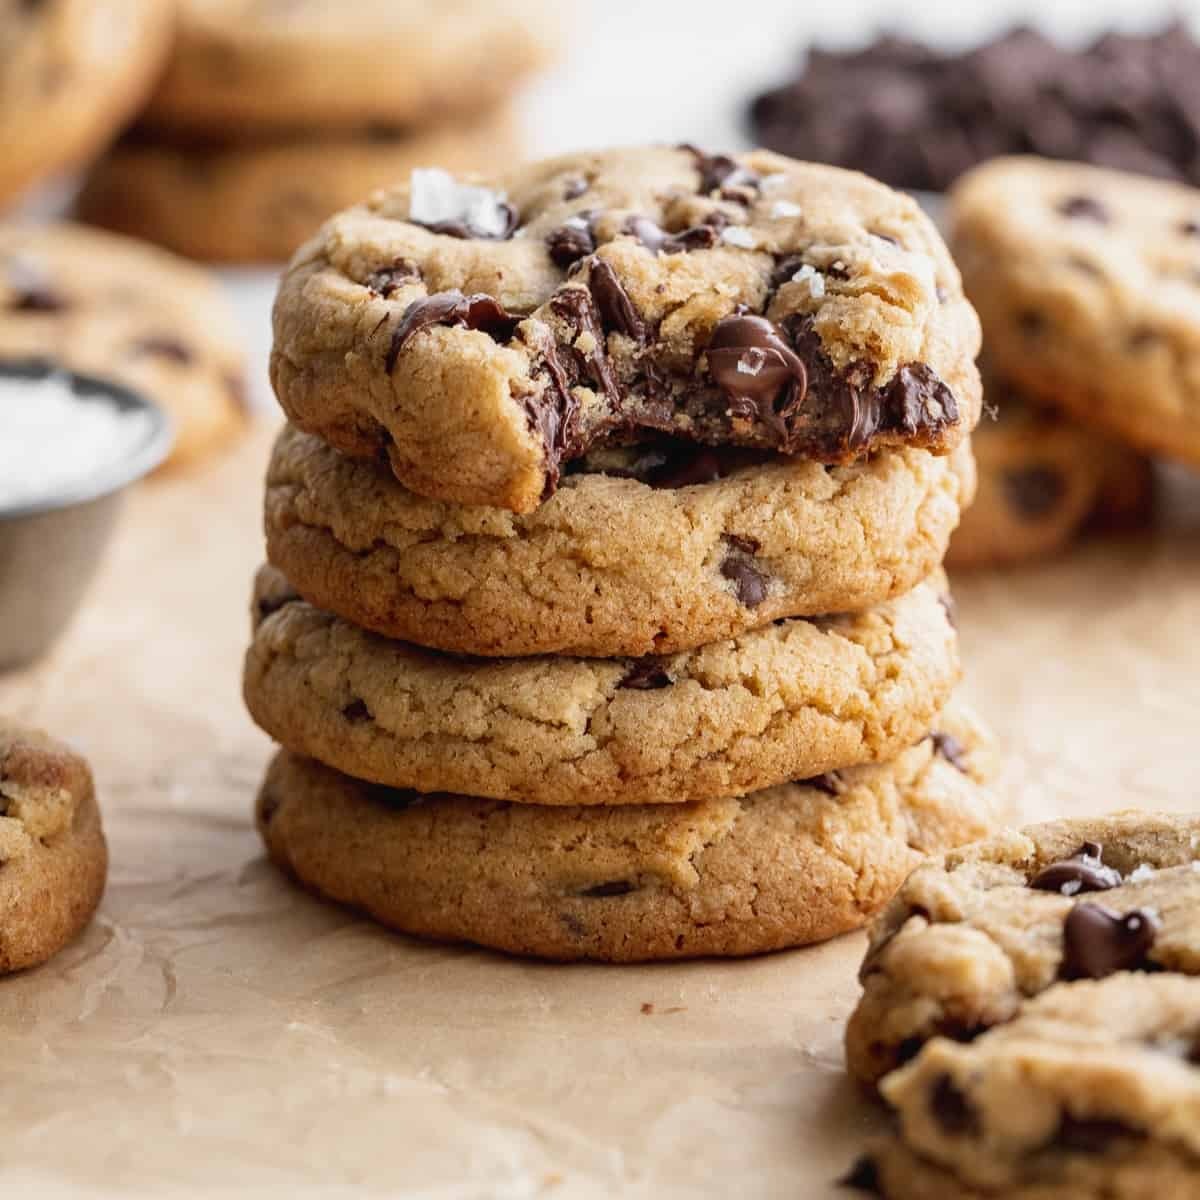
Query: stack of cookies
<point x="605" y="615"/>
<point x="270" y="117"/>
<point x="1087" y="282"/>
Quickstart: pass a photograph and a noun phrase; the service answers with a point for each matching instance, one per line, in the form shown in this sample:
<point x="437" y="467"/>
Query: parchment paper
<point x="217" y="1032"/>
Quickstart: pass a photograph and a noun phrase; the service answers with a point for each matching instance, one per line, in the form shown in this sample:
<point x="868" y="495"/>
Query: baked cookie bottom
<point x="783" y="867"/>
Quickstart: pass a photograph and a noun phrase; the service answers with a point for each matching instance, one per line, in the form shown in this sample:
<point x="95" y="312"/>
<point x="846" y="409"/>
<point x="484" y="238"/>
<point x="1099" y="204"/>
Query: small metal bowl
<point x="50" y="550"/>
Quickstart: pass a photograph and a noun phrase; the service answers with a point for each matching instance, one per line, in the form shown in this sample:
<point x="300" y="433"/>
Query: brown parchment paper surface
<point x="217" y="1032"/>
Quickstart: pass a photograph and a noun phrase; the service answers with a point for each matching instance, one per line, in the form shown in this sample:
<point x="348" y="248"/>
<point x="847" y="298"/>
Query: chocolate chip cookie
<point x="969" y="940"/>
<point x="118" y="309"/>
<point x="1043" y="480"/>
<point x="642" y="550"/>
<point x="244" y="67"/>
<point x="270" y="195"/>
<point x="794" y="699"/>
<point x="487" y="334"/>
<point x="1088" y="285"/>
<point x="72" y="73"/>
<point x="53" y="860"/>
<point x="783" y="867"/>
<point x="1093" y="1090"/>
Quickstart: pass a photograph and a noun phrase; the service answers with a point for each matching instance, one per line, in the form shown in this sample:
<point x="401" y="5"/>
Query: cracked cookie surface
<point x="72" y="72"/>
<point x="270" y="195"/>
<point x="116" y="308"/>
<point x="782" y="867"/>
<point x="970" y="939"/>
<point x="792" y="700"/>
<point x="1088" y="285"/>
<point x="485" y="335"/>
<point x="655" y="550"/>
<point x="245" y="68"/>
<point x="1093" y="1090"/>
<point x="53" y="860"/>
<point x="1044" y="479"/>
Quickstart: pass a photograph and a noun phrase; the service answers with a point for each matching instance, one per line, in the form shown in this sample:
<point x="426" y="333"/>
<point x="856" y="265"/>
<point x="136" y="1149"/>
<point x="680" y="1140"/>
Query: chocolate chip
<point x="1091" y="1136"/>
<point x="1085" y="208"/>
<point x="1098" y="941"/>
<point x="464" y="229"/>
<point x="613" y="303"/>
<point x="646" y="675"/>
<point x="738" y="566"/>
<point x="758" y="371"/>
<point x="952" y="1110"/>
<point x="391" y="279"/>
<point x="571" y="241"/>
<point x="396" y="799"/>
<point x="721" y="171"/>
<point x="615" y="887"/>
<point x="356" y="712"/>
<point x="1033" y="492"/>
<point x="951" y="749"/>
<point x="1082" y="872"/>
<point x="164" y="347"/>
<point x="478" y="311"/>
<point x="574" y="187"/>
<point x="698" y="237"/>
<point x="829" y="783"/>
<point x="862" y="1177"/>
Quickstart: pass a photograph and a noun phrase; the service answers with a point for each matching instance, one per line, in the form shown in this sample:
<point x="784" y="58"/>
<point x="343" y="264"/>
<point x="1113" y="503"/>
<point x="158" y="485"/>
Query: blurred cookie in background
<point x="119" y="309"/>
<point x="245" y="68"/>
<point x="1087" y="282"/>
<point x="918" y="118"/>
<point x="72" y="73"/>
<point x="271" y="117"/>
<point x="1045" y="480"/>
<point x="272" y="195"/>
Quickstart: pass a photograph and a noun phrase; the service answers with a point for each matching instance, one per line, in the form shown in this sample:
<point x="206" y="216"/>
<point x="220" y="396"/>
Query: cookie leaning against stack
<point x="606" y="617"/>
<point x="276" y="116"/>
<point x="1087" y="282"/>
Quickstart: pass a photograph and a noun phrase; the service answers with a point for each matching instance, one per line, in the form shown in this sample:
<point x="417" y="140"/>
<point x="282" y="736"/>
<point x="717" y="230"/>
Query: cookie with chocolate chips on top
<point x="786" y="866"/>
<point x="647" y="549"/>
<point x="971" y="939"/>
<point x="53" y="858"/>
<point x="789" y="701"/>
<point x="1087" y="282"/>
<point x="596" y="300"/>
<point x="118" y="309"/>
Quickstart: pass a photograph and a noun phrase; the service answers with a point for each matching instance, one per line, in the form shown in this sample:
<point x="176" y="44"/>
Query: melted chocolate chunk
<point x="721" y="171"/>
<point x="646" y="675"/>
<point x="356" y="712"/>
<point x="759" y="372"/>
<point x="571" y="241"/>
<point x="862" y="1177"/>
<point x="1033" y="492"/>
<point x="952" y="1110"/>
<point x="1098" y="941"/>
<point x="164" y="346"/>
<point x="1083" y="208"/>
<point x="478" y="311"/>
<point x="698" y="237"/>
<point x="388" y="280"/>
<point x="1091" y="1136"/>
<point x="739" y="567"/>
<point x="613" y="303"/>
<point x="951" y="749"/>
<point x="1082" y="872"/>
<point x="615" y="887"/>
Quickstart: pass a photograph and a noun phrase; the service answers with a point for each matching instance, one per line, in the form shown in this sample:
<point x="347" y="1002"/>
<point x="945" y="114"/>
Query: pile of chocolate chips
<point x="917" y="118"/>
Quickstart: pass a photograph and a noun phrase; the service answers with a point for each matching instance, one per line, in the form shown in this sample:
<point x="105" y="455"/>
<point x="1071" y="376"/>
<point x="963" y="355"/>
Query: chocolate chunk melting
<point x="478" y="311"/>
<point x="1082" y="872"/>
<point x="388" y="280"/>
<point x="1098" y="941"/>
<point x="613" y="303"/>
<point x="698" y="237"/>
<point x="571" y="241"/>
<point x="1033" y="492"/>
<point x="759" y="372"/>
<point x="739" y="567"/>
